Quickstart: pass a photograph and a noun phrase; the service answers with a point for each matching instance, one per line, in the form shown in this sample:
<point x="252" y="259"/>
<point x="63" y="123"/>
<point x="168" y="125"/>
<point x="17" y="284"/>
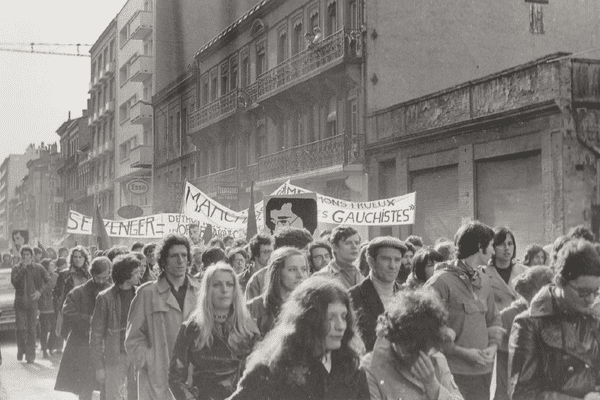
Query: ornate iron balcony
<point x="337" y="150"/>
<point x="345" y="43"/>
<point x="217" y="108"/>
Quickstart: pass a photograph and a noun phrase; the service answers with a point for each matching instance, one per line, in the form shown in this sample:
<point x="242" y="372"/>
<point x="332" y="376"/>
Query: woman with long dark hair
<point x="287" y="269"/>
<point x="312" y="352"/>
<point x="215" y="340"/>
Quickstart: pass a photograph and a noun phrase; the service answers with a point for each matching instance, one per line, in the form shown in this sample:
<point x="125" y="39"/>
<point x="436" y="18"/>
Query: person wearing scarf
<point x="473" y="314"/>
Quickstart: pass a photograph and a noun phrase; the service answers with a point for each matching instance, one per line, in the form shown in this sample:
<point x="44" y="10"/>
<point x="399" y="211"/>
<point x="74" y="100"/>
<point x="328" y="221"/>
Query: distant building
<point x="12" y="171"/>
<point x="135" y="70"/>
<point x="262" y="103"/>
<point x="76" y="172"/>
<point x="102" y="116"/>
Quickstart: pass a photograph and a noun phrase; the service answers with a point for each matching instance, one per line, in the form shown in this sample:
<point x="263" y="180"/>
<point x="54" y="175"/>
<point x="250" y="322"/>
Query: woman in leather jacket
<point x="215" y="340"/>
<point x="554" y="347"/>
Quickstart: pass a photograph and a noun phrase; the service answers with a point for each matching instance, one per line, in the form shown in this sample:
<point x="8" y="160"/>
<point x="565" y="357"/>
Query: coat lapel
<point x="372" y="302"/>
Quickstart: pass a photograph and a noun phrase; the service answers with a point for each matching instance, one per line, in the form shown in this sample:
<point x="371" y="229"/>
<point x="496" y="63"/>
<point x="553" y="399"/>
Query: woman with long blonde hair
<point x="215" y="340"/>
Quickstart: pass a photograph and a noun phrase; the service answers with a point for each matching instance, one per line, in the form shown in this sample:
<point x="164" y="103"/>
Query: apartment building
<point x="100" y="159"/>
<point x="12" y="171"/>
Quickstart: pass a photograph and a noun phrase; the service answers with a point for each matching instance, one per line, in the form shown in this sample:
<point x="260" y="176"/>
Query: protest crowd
<point x="295" y="315"/>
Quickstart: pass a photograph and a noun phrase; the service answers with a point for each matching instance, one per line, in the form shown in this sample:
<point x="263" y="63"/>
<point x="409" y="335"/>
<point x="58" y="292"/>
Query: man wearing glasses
<point x="319" y="255"/>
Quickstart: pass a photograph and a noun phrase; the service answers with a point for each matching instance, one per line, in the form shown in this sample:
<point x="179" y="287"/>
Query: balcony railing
<point x="209" y="182"/>
<point x="216" y="109"/>
<point x="141" y="69"/>
<point x="141" y="25"/>
<point x="140" y="113"/>
<point x="337" y="150"/>
<point x="141" y="157"/>
<point x="344" y="43"/>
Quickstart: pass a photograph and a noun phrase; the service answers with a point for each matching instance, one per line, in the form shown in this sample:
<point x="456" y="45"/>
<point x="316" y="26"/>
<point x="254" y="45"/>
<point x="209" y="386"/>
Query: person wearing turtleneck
<point x="371" y="297"/>
<point x="473" y="314"/>
<point x="214" y="341"/>
<point x="345" y="242"/>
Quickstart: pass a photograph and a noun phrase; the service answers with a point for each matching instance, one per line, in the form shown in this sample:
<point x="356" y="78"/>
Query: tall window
<point x="177" y="132"/>
<point x="332" y="118"/>
<point x="353" y="123"/>
<point x="353" y="14"/>
<point x="224" y="78"/>
<point x="331" y="25"/>
<point x="213" y="84"/>
<point x="261" y="58"/>
<point x="245" y="76"/>
<point x="205" y="90"/>
<point x="233" y="68"/>
<point x="281" y="47"/>
<point x="297" y="39"/>
<point x="314" y="20"/>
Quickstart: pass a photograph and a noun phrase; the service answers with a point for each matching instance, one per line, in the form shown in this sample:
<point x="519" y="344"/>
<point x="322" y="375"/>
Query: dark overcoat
<point x="76" y="373"/>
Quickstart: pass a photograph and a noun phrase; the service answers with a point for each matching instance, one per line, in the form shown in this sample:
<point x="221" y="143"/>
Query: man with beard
<point x="76" y="373"/>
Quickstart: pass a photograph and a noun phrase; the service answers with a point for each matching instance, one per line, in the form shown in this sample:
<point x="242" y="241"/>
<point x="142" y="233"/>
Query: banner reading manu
<point x="197" y="205"/>
<point x="393" y="211"/>
<point x="148" y="227"/>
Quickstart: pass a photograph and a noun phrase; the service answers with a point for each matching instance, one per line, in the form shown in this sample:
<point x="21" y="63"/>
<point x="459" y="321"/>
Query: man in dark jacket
<point x="30" y="280"/>
<point x="371" y="296"/>
<point x="107" y="341"/>
<point x="76" y="374"/>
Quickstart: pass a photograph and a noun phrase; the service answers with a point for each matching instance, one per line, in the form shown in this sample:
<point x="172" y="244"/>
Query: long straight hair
<point x="274" y="287"/>
<point x="243" y="328"/>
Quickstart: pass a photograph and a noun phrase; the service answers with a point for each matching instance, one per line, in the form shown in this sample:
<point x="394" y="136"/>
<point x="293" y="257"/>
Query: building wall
<point x="183" y="26"/>
<point x="425" y="46"/>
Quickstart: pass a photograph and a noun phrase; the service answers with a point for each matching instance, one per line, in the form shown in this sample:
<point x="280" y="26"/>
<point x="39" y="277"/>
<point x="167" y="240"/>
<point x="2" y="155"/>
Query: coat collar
<point x="498" y="283"/>
<point x="164" y="289"/>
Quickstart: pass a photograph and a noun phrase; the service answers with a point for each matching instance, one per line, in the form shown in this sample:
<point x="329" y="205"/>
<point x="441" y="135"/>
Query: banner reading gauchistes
<point x="398" y="210"/>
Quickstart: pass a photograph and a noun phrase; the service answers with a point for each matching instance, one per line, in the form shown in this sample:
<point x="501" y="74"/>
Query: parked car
<point x="7" y="300"/>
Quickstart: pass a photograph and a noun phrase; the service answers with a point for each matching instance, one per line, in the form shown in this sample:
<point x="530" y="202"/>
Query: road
<point x="22" y="381"/>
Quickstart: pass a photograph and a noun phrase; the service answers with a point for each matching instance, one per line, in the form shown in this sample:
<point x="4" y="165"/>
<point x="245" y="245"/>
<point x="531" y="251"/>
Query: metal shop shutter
<point x="509" y="193"/>
<point x="436" y="203"/>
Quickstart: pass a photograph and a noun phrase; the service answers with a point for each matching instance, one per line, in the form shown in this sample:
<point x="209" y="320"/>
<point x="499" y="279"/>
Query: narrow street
<point x="19" y="380"/>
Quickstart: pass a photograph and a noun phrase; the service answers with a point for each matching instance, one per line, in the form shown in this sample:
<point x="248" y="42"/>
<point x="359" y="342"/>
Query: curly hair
<point x="256" y="242"/>
<point x="168" y="242"/>
<point x="124" y="265"/>
<point x="414" y="319"/>
<point x="532" y="280"/>
<point x="84" y="252"/>
<point x="293" y="237"/>
<point x="298" y="337"/>
<point x="578" y="257"/>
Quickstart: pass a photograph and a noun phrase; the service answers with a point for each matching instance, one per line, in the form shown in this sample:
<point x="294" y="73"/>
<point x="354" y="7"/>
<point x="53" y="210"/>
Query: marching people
<point x="312" y="352"/>
<point x="502" y="268"/>
<point x="319" y="255"/>
<point x="422" y="267"/>
<point x="473" y="315"/>
<point x="526" y="285"/>
<point x="76" y="372"/>
<point x="149" y="272"/>
<point x="345" y="243"/>
<point x="287" y="269"/>
<point x="406" y="266"/>
<point x="554" y="346"/>
<point x="156" y="314"/>
<point x="287" y="236"/>
<point x="261" y="247"/>
<point x="214" y="341"/>
<point x="406" y="358"/>
<point x="46" y="308"/>
<point x="535" y="255"/>
<point x="30" y="280"/>
<point x="238" y="258"/>
<point x="371" y="297"/>
<point x="113" y="370"/>
<point x="76" y="274"/>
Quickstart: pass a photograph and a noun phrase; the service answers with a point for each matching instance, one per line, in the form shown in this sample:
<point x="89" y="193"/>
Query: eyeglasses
<point x="585" y="293"/>
<point x="322" y="257"/>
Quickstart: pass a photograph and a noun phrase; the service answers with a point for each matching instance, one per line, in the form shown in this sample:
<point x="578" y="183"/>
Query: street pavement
<point x="22" y="381"/>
